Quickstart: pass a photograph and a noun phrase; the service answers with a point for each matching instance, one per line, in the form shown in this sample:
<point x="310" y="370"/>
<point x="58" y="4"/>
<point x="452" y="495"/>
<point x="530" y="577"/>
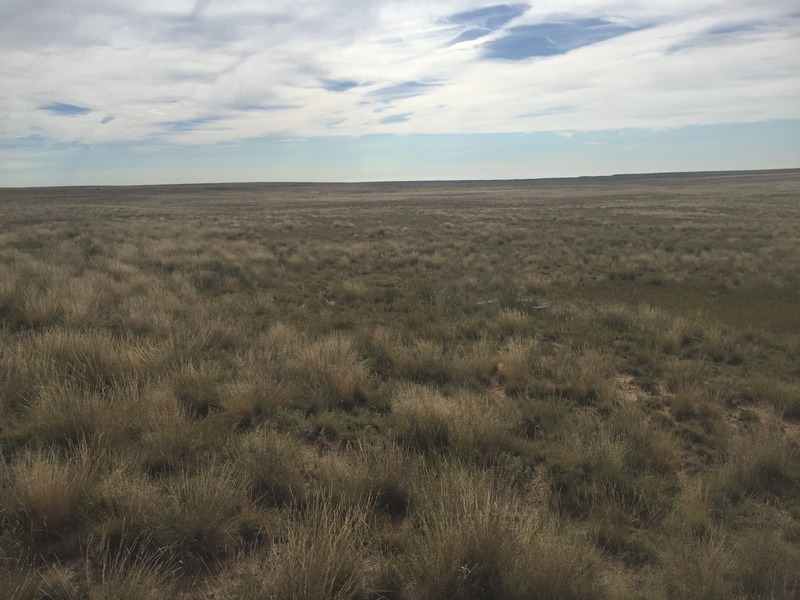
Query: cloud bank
<point x="212" y="71"/>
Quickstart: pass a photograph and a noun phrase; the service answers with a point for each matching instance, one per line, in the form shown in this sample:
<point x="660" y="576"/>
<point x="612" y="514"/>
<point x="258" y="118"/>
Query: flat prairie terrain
<point x="578" y="388"/>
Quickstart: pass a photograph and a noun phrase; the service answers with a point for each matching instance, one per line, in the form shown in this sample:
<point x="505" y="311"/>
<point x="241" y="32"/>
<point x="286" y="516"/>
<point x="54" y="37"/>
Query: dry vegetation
<point x="579" y="389"/>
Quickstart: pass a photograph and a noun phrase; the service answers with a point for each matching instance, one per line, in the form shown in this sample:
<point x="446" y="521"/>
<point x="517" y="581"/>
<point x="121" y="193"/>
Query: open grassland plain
<point x="504" y="390"/>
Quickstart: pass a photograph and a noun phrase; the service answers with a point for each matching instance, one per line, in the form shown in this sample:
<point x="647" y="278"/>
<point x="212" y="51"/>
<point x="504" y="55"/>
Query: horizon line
<point x="643" y="174"/>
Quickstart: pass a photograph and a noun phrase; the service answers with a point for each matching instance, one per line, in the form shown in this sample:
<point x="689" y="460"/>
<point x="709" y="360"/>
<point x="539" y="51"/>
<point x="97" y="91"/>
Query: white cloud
<point x="211" y="71"/>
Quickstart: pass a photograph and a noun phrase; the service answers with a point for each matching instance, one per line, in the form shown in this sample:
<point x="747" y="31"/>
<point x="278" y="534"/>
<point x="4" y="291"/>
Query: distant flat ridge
<point x="578" y="179"/>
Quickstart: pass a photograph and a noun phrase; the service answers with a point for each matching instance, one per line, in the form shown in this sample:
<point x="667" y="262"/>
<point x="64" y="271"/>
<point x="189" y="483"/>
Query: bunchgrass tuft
<point x="477" y="539"/>
<point x="270" y="465"/>
<point x="783" y="396"/>
<point x="200" y="522"/>
<point x="330" y="374"/>
<point x="127" y="576"/>
<point x="463" y="424"/>
<point x="762" y="462"/>
<point x="47" y="495"/>
<point x="325" y="556"/>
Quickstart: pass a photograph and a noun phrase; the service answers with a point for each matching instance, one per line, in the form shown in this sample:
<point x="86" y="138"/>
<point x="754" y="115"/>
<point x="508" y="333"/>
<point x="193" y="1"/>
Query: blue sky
<point x="159" y="91"/>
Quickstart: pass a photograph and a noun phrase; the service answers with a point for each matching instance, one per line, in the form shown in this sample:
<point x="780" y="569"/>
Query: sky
<point x="177" y="91"/>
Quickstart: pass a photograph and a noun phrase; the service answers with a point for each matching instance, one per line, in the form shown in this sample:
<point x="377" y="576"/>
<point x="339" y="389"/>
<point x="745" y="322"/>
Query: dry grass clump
<point x="613" y="464"/>
<point x="783" y="396"/>
<point x="476" y="539"/>
<point x="167" y="438"/>
<point x="120" y="576"/>
<point x="699" y="570"/>
<point x="64" y="414"/>
<point x="197" y="386"/>
<point x="60" y="582"/>
<point x="384" y="477"/>
<point x="258" y="389"/>
<point x="330" y="373"/>
<point x="720" y="347"/>
<point x="422" y="419"/>
<point x="352" y="290"/>
<point x="93" y="359"/>
<point x="693" y="511"/>
<point x="20" y="372"/>
<point x="325" y="556"/>
<point x="126" y="576"/>
<point x="427" y="361"/>
<point x="19" y="581"/>
<point x="379" y="345"/>
<point x="766" y="565"/>
<point x="280" y="341"/>
<point x="612" y="523"/>
<point x="545" y="419"/>
<point x="154" y="310"/>
<point x="270" y="465"/>
<point x="698" y="407"/>
<point x="46" y="495"/>
<point x="249" y="401"/>
<point x="378" y="477"/>
<point x="520" y="366"/>
<point x="200" y="523"/>
<point x="483" y="361"/>
<point x="33" y="296"/>
<point x="759" y="564"/>
<point x="132" y="506"/>
<point x="762" y="461"/>
<point x="590" y="377"/>
<point x="510" y="322"/>
<point x="688" y="401"/>
<point x="591" y="464"/>
<point x="651" y="447"/>
<point x="465" y="424"/>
